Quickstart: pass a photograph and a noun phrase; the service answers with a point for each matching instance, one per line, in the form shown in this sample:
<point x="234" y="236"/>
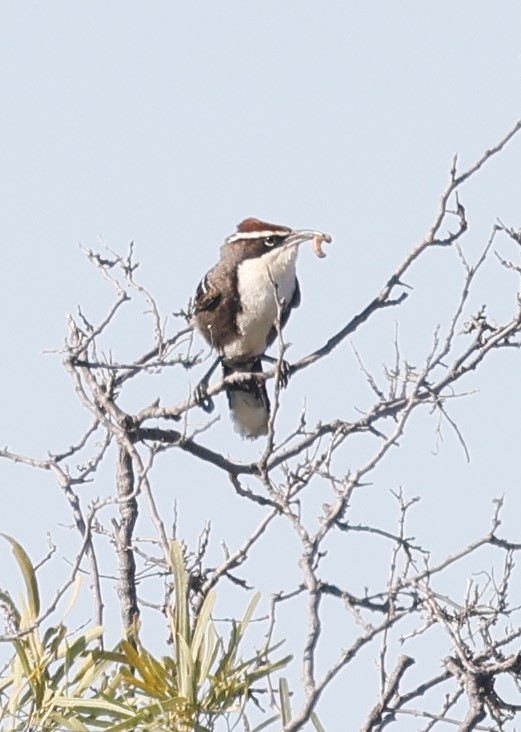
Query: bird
<point x="239" y="307"/>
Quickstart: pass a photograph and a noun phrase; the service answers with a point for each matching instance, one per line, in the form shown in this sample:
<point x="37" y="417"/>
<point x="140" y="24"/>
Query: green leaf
<point x="182" y="618"/>
<point x="79" y="645"/>
<point x="316" y="724"/>
<point x="99" y="705"/>
<point x="28" y="573"/>
<point x="249" y="613"/>
<point x="69" y="723"/>
<point x="266" y="723"/>
<point x="138" y="659"/>
<point x="212" y="647"/>
<point x="187" y="683"/>
<point x="203" y="623"/>
<point x="94" y="666"/>
<point x="6" y="599"/>
<point x="285" y="705"/>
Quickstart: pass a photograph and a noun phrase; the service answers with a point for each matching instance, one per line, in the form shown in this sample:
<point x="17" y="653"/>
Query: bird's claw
<point x="202" y="399"/>
<point x="284" y="371"/>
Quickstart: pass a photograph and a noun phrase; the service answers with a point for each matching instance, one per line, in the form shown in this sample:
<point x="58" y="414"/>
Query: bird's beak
<point x="301" y="235"/>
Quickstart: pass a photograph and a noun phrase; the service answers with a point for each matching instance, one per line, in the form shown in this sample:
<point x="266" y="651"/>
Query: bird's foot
<point x="284" y="370"/>
<point x="202" y="399"/>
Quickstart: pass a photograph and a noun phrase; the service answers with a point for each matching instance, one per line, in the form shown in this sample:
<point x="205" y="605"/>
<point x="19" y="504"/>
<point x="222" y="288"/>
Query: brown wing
<point x="207" y="296"/>
<point x="215" y="307"/>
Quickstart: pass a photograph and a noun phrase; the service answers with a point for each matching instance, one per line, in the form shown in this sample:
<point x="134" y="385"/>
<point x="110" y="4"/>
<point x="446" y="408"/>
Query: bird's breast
<point x="262" y="282"/>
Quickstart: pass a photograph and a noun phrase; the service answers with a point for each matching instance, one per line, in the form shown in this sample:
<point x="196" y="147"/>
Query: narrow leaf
<point x="249" y="613"/>
<point x="316" y="724"/>
<point x="182" y="619"/>
<point x="266" y="723"/>
<point x="285" y="705"/>
<point x="31" y="585"/>
<point x="203" y="622"/>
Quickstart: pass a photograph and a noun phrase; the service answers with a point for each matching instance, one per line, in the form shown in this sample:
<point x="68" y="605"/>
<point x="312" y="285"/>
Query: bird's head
<point x="255" y="238"/>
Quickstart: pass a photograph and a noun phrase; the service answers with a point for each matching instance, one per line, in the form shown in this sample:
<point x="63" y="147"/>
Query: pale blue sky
<point x="167" y="123"/>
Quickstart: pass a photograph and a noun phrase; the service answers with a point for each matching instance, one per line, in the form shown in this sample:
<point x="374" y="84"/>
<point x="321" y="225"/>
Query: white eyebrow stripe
<point x="256" y="235"/>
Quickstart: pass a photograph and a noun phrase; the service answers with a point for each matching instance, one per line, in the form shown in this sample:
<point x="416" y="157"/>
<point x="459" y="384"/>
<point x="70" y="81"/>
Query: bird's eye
<point x="270" y="241"/>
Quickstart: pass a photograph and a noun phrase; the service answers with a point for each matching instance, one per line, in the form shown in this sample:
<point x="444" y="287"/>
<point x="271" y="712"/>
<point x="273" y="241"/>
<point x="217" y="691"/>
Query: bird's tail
<point x="248" y="400"/>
